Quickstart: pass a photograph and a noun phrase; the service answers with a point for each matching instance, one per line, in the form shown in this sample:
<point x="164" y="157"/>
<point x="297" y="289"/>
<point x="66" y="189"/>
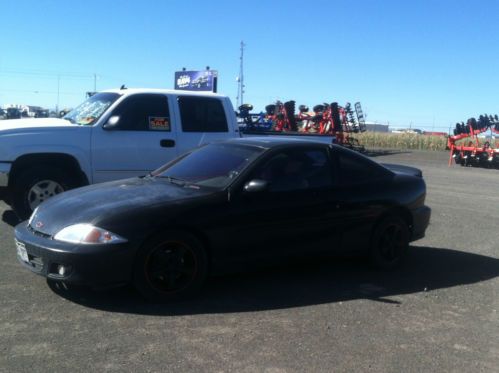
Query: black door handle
<point x="167" y="143"/>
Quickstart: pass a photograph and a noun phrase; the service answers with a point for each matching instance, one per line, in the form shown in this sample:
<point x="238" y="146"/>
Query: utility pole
<point x="240" y="79"/>
<point x="95" y="82"/>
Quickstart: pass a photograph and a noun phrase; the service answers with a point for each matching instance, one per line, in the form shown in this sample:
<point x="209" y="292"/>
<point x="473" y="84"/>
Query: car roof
<point x="268" y="142"/>
<point x="276" y="141"/>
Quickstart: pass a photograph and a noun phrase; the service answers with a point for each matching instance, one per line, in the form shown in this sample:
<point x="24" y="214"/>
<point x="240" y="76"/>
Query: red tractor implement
<point x="471" y="153"/>
<point x="326" y="119"/>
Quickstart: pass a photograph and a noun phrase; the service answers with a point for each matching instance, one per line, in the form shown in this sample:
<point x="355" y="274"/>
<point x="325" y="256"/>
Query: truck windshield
<point x="214" y="165"/>
<point x="90" y="110"/>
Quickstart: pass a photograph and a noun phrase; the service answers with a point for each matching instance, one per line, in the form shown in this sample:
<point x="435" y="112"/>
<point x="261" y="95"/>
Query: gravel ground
<point x="438" y="313"/>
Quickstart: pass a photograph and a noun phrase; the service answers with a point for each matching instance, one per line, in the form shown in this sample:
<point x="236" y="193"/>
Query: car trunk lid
<point x="401" y="169"/>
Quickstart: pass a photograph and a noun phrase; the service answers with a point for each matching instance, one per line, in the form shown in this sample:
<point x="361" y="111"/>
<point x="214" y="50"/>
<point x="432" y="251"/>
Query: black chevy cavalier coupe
<point x="221" y="205"/>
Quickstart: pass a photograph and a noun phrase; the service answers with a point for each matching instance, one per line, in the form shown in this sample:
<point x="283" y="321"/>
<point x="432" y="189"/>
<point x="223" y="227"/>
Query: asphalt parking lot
<point x="437" y="313"/>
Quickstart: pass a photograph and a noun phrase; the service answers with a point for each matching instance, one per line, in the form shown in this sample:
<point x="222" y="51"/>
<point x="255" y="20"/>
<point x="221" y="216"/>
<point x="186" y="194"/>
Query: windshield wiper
<point x="174" y="180"/>
<point x="69" y="119"/>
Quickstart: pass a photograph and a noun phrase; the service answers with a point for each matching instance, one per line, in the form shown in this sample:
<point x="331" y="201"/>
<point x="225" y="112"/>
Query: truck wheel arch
<point x="36" y="177"/>
<point x="63" y="161"/>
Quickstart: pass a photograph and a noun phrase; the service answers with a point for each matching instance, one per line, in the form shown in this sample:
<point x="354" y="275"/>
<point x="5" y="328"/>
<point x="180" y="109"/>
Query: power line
<point x="44" y="92"/>
<point x="46" y="73"/>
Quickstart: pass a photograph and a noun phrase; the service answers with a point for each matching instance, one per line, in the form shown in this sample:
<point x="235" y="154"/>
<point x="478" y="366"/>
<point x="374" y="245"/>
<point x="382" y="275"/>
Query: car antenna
<point x="123" y="87"/>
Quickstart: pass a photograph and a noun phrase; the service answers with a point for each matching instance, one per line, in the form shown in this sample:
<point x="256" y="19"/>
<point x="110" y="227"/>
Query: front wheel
<point x="389" y="242"/>
<point x="170" y="266"/>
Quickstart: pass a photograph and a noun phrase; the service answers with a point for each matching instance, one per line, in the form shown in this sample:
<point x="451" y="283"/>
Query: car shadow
<point x="9" y="217"/>
<point x="310" y="282"/>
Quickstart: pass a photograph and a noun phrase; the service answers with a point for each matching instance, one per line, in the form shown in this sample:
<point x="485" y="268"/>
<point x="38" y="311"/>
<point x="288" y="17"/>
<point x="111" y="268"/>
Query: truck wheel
<point x="35" y="185"/>
<point x="170" y="266"/>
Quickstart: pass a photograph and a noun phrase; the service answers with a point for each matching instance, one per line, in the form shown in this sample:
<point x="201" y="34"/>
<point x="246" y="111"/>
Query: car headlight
<point x="87" y="234"/>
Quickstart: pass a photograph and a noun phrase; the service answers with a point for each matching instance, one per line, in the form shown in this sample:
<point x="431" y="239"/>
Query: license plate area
<point x="21" y="251"/>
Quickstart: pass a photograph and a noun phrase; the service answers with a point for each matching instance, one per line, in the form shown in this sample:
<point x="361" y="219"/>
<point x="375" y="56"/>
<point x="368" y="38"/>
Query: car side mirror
<point x="111" y="123"/>
<point x="256" y="186"/>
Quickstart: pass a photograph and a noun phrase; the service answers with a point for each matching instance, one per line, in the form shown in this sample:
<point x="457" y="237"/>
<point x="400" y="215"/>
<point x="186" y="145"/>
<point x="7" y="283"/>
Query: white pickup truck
<point x="114" y="134"/>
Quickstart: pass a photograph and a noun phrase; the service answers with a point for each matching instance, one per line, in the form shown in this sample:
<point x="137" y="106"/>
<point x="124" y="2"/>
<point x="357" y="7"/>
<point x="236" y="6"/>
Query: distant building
<point x="26" y="110"/>
<point x="376" y="127"/>
<point x="408" y="130"/>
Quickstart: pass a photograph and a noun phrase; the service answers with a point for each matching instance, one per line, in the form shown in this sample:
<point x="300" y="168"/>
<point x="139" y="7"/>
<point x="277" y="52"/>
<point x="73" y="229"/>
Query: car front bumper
<point x="420" y="221"/>
<point x="93" y="265"/>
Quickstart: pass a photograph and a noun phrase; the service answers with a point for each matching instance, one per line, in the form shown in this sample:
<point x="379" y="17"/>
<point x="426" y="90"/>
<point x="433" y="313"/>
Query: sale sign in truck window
<point x="159" y="124"/>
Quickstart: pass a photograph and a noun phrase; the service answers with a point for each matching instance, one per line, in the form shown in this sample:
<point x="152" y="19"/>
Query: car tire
<point x="389" y="243"/>
<point x="34" y="185"/>
<point x="170" y="266"/>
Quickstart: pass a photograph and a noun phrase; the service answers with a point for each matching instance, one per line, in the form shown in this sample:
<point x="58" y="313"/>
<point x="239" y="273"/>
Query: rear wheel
<point x="389" y="242"/>
<point x="35" y="185"/>
<point x="170" y="266"/>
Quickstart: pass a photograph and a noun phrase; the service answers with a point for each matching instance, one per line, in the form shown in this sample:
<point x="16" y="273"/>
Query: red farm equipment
<point x="469" y="151"/>
<point x="326" y="119"/>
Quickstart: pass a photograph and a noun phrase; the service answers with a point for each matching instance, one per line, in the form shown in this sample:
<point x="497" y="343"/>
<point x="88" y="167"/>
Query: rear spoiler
<point x="398" y="168"/>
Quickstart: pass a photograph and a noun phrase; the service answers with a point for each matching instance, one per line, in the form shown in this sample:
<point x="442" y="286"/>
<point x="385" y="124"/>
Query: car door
<point x="139" y="137"/>
<point x="293" y="214"/>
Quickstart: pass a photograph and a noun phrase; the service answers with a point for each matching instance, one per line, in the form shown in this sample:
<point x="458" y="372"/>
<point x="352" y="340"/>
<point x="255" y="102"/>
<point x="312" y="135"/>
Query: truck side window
<point x="143" y="112"/>
<point x="202" y="114"/>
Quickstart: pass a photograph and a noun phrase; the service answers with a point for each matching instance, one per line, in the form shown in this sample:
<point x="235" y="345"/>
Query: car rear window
<point x="354" y="168"/>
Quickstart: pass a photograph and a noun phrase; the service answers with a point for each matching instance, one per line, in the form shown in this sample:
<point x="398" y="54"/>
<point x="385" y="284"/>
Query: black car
<point x="225" y="204"/>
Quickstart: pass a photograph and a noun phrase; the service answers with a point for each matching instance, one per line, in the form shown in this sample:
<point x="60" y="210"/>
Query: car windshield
<point x="214" y="165"/>
<point x="90" y="110"/>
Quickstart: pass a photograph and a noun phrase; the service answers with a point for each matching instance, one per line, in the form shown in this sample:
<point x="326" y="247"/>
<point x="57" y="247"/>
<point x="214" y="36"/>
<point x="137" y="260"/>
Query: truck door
<point x="138" y="137"/>
<point x="203" y="120"/>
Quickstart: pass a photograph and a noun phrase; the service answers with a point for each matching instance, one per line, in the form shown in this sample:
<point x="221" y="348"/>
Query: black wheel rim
<point x="171" y="267"/>
<point x="392" y="243"/>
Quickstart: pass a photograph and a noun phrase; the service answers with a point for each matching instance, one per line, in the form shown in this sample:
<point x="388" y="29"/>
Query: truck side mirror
<point x="111" y="123"/>
<point x="256" y="186"/>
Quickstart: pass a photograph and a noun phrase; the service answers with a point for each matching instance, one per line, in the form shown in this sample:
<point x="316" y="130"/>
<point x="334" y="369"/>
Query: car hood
<point x="33" y="123"/>
<point x="95" y="203"/>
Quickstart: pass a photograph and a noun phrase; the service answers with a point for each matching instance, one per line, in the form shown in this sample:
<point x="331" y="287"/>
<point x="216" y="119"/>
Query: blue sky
<point x="425" y="63"/>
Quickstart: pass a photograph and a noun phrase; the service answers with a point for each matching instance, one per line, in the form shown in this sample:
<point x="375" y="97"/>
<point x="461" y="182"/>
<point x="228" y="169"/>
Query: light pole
<point x="58" y="86"/>
<point x="240" y="80"/>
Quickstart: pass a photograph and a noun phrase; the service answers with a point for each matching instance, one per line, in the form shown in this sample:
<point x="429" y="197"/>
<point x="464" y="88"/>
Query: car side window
<point x="202" y="114"/>
<point x="145" y="112"/>
<point x="353" y="169"/>
<point x="299" y="169"/>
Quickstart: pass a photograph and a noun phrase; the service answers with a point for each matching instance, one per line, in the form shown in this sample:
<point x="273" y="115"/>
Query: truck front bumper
<point x="4" y="173"/>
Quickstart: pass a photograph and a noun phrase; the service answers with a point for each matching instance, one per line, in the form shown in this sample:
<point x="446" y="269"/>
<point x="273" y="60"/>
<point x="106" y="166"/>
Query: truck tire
<point x="35" y="185"/>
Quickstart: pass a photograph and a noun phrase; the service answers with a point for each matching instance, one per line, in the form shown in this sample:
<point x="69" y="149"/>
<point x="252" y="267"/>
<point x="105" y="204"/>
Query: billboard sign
<point x="204" y="80"/>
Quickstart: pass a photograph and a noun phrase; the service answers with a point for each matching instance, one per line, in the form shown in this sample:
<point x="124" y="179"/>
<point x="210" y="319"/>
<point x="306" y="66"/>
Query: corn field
<point x="401" y="141"/>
